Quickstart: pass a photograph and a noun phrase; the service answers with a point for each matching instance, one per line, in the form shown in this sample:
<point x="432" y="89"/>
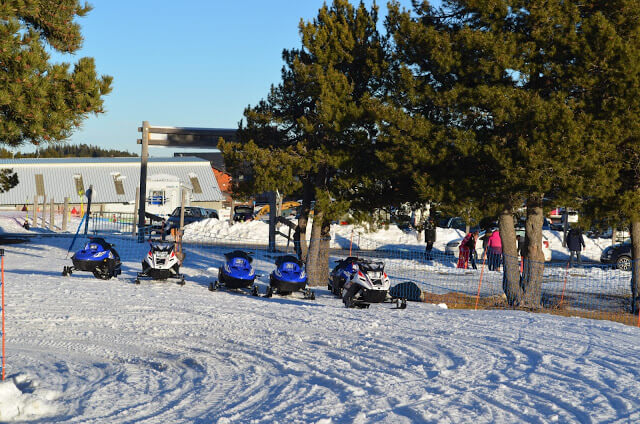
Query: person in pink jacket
<point x="494" y="251"/>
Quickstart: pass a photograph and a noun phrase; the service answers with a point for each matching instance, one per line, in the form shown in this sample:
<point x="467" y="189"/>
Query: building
<point x="114" y="181"/>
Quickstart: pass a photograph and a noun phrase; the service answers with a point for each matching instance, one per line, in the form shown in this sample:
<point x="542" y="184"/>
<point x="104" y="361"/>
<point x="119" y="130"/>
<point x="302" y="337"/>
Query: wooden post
<point x="52" y="214"/>
<point x="65" y="214"/>
<point x="144" y="158"/>
<point x="101" y="210"/>
<point x="35" y="211"/>
<point x="44" y="209"/>
<point x="135" y="212"/>
<point x="231" y="213"/>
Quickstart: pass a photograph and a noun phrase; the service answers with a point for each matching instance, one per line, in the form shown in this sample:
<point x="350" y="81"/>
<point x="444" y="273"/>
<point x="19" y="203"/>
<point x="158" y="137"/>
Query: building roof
<point x="215" y="158"/>
<point x="58" y="161"/>
<point x="109" y="177"/>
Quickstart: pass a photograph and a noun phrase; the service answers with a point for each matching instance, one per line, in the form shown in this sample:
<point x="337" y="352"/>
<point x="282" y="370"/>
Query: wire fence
<point x="588" y="289"/>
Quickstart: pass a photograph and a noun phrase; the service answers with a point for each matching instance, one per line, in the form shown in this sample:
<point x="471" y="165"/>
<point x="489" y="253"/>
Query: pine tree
<point x="41" y="101"/>
<point x="499" y="87"/>
<point x="320" y="121"/>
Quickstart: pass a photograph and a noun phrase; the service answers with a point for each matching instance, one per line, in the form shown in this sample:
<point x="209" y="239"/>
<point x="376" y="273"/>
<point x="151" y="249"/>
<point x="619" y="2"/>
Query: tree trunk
<point x="532" y="252"/>
<point x="323" y="254"/>
<point x="635" y="265"/>
<point x="511" y="276"/>
<point x="303" y="220"/>
<point x="314" y="271"/>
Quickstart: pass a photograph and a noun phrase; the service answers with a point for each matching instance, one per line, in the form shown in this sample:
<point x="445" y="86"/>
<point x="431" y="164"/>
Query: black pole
<point x="88" y="193"/>
<point x="272" y="221"/>
<point x="144" y="158"/>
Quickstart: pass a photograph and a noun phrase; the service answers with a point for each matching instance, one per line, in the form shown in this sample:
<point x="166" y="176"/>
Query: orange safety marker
<point x="2" y="281"/>
<point x="565" y="284"/>
<point x="351" y="242"/>
<point x="484" y="258"/>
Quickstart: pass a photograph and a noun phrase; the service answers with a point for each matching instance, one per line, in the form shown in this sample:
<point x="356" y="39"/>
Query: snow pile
<point x="26" y="404"/>
<point x="341" y="235"/>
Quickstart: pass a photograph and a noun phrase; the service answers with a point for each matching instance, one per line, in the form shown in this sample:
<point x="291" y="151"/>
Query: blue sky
<point x="195" y="63"/>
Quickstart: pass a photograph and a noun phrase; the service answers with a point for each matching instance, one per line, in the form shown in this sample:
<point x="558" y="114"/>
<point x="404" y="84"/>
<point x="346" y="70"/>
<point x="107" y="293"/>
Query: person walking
<point x="463" y="252"/>
<point x="429" y="236"/>
<point x="575" y="243"/>
<point x="494" y="251"/>
<point x="471" y="245"/>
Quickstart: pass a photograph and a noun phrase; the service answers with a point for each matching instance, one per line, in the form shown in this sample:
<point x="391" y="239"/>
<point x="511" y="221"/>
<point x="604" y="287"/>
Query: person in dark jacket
<point x="429" y="236"/>
<point x="471" y="245"/>
<point x="575" y="243"/>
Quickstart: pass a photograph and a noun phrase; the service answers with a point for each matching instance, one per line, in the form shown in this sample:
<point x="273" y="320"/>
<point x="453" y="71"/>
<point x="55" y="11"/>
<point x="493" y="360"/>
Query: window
<point x="79" y="184"/>
<point x="118" y="182"/>
<point x="157" y="197"/>
<point x="39" y="185"/>
<point x="119" y="187"/>
<point x="195" y="183"/>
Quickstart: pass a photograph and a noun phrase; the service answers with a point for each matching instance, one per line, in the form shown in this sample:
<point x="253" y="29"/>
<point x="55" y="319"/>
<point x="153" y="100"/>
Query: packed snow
<point x="82" y="350"/>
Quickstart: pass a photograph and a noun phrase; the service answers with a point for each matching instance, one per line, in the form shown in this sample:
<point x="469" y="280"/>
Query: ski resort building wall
<point x="114" y="181"/>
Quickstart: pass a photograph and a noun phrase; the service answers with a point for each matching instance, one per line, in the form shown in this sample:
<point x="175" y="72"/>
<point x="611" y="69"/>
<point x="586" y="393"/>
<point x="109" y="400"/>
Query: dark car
<point x="618" y="255"/>
<point x="242" y="213"/>
<point x="191" y="214"/>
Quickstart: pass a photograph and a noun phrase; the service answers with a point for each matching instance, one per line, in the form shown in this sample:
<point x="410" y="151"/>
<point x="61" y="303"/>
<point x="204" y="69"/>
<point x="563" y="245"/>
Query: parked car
<point x="453" y="247"/>
<point x="191" y="214"/>
<point x="455" y="222"/>
<point x="546" y="224"/>
<point x="242" y="213"/>
<point x="618" y="255"/>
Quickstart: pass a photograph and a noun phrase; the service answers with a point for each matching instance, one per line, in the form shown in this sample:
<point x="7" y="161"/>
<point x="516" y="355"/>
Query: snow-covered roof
<point x="61" y="176"/>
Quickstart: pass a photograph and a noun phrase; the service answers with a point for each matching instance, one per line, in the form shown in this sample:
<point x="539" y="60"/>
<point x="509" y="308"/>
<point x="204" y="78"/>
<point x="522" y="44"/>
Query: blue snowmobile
<point x="98" y="257"/>
<point x="236" y="273"/>
<point x="288" y="277"/>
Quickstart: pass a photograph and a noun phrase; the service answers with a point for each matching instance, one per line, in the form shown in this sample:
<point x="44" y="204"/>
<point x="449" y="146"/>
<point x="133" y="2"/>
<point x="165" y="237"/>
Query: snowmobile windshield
<point x="288" y="258"/>
<point x="238" y="254"/>
<point x="367" y="266"/>
<point x="96" y="244"/>
<point x="161" y="247"/>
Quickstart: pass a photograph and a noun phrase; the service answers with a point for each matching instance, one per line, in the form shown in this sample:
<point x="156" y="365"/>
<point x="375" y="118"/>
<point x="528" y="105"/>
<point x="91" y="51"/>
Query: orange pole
<point x="351" y="242"/>
<point x="484" y="258"/>
<point x="2" y="272"/>
<point x="565" y="284"/>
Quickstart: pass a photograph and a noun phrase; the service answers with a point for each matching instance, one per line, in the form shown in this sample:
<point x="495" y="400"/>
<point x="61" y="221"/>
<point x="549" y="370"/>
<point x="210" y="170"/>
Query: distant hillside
<point x="66" y="151"/>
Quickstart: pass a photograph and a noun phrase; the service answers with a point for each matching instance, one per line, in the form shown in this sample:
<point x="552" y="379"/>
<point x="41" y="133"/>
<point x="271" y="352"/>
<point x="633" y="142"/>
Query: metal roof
<point x="59" y="181"/>
<point x="57" y="161"/>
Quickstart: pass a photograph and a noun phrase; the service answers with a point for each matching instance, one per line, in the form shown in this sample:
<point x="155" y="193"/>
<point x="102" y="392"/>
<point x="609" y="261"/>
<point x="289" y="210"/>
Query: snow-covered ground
<point x="81" y="350"/>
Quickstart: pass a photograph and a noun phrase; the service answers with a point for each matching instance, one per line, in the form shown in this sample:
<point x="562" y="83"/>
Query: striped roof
<point x="60" y="174"/>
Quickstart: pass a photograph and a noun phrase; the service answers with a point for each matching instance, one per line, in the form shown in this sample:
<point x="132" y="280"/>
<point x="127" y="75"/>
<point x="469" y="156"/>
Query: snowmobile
<point x="289" y="276"/>
<point x="161" y="263"/>
<point x="98" y="257"/>
<point x="236" y="273"/>
<point x="360" y="282"/>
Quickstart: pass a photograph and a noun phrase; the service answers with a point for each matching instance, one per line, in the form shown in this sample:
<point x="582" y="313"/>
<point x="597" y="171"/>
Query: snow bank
<point x="21" y="399"/>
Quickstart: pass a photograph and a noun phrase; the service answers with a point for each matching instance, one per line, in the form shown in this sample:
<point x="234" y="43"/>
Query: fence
<point x="111" y="223"/>
<point x="591" y="290"/>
